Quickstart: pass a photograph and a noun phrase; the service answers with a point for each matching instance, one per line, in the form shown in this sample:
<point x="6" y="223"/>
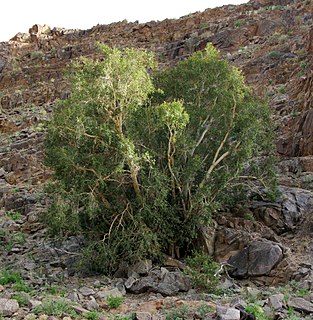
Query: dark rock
<point x="259" y="258"/>
<point x="143" y="285"/>
<point x="301" y="305"/>
<point x="287" y="212"/>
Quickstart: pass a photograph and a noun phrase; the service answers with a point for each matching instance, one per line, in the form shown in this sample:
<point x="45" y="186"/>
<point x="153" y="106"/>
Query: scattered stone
<point x="276" y="301"/>
<point x="34" y="303"/>
<point x="92" y="304"/>
<point x="301" y="305"/>
<point x="73" y="296"/>
<point x="105" y="294"/>
<point x="79" y="309"/>
<point x="8" y="307"/>
<point x="85" y="291"/>
<point x="225" y="313"/>
<point x="143" y="316"/>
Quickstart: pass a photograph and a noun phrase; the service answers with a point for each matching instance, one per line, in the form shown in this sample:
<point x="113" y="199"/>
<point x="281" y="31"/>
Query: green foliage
<point x="257" y="311"/>
<point x="114" y="302"/>
<point x="10" y="277"/>
<point x="179" y="313"/>
<point x="57" y="307"/>
<point x="237" y="23"/>
<point x="203" y="310"/>
<point x="92" y="315"/>
<point x="138" y="169"/>
<point x="203" y="271"/>
<point x="14" y="215"/>
<point x="21" y="298"/>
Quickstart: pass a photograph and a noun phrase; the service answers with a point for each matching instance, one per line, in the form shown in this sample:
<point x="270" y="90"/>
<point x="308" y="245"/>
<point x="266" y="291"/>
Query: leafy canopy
<point x="139" y="169"/>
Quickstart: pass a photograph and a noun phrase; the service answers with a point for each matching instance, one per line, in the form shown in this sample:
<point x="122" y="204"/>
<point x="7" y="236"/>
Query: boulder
<point x="287" y="212"/>
<point x="8" y="307"/>
<point x="257" y="259"/>
<point x="276" y="302"/>
<point x="159" y="281"/>
<point x="301" y="305"/>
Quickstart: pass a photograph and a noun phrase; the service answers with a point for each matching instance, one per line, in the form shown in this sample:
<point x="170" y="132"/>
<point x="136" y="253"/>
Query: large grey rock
<point x="160" y="281"/>
<point x="143" y="285"/>
<point x="287" y="212"/>
<point x="85" y="291"/>
<point x="225" y="313"/>
<point x="276" y="302"/>
<point x="257" y="259"/>
<point x="301" y="304"/>
<point x="8" y="307"/>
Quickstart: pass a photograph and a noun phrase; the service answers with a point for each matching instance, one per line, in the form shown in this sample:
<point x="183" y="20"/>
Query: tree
<point x="138" y="170"/>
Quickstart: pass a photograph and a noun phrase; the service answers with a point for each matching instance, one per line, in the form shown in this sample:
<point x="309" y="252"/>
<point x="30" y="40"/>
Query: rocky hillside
<point x="269" y="244"/>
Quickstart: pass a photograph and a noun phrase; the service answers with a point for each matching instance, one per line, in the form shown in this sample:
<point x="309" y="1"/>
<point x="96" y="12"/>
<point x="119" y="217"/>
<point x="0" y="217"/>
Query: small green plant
<point x="9" y="277"/>
<point x="114" y="302"/>
<point x="256" y="311"/>
<point x="274" y="54"/>
<point x="14" y="215"/>
<point x="204" y="25"/>
<point x="203" y="310"/>
<point x="22" y="287"/>
<point x="179" y="313"/>
<point x="57" y="307"/>
<point x="203" y="271"/>
<point x="282" y="89"/>
<point x="249" y="216"/>
<point x="295" y="114"/>
<point x="291" y="314"/>
<point x="92" y="315"/>
<point x="237" y="24"/>
<point x="37" y="55"/>
<point x="56" y="290"/>
<point x="21" y="298"/>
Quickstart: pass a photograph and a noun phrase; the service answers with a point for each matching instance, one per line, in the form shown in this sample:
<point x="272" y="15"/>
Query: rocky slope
<point x="271" y="244"/>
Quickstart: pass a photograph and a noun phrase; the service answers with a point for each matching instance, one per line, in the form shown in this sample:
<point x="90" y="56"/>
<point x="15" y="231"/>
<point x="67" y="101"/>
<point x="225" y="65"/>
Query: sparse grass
<point x="274" y="54"/>
<point x="249" y="216"/>
<point x="282" y="89"/>
<point x="57" y="307"/>
<point x="9" y="277"/>
<point x="14" y="215"/>
<point x="114" y="302"/>
<point x="237" y="24"/>
<point x="37" y="55"/>
<point x="257" y="311"/>
<point x="92" y="315"/>
<point x="56" y="290"/>
<point x="203" y="310"/>
<point x="179" y="313"/>
<point x="21" y="298"/>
